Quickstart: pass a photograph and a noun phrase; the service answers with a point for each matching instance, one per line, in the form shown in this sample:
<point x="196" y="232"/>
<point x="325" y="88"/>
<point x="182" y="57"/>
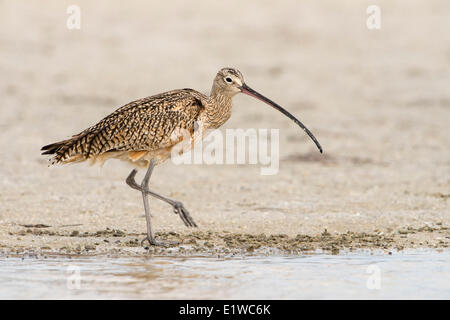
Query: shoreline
<point x="43" y="240"/>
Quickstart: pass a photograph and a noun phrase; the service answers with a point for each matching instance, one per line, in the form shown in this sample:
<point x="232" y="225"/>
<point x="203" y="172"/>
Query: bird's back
<point x="144" y="125"/>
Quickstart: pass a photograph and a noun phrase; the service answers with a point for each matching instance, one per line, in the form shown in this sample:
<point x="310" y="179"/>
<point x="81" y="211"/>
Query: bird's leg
<point x="150" y="237"/>
<point x="144" y="189"/>
<point x="178" y="207"/>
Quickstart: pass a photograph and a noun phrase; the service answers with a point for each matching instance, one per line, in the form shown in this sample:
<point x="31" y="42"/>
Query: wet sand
<point x="378" y="101"/>
<point x="111" y="241"/>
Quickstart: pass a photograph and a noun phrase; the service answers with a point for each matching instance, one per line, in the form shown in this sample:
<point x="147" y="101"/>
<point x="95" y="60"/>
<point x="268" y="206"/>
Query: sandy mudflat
<point x="378" y="101"/>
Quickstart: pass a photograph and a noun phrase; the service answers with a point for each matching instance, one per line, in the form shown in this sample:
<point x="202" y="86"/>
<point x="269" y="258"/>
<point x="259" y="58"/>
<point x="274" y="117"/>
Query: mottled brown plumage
<point x="144" y="131"/>
<point x="141" y="125"/>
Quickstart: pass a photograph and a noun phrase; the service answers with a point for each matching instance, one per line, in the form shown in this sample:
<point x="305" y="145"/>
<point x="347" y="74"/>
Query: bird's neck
<point x="218" y="109"/>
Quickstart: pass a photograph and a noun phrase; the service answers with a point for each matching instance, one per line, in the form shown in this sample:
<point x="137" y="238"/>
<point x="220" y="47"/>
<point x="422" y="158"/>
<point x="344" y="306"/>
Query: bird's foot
<point x="154" y="242"/>
<point x="179" y="209"/>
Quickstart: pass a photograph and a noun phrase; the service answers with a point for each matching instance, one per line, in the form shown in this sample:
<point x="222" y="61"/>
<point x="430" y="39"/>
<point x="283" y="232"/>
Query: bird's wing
<point x="145" y="124"/>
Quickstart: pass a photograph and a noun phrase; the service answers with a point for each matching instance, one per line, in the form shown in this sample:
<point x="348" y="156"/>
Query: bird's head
<point x="229" y="82"/>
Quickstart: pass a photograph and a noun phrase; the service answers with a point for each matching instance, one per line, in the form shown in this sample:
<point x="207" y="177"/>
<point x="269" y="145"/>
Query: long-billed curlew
<point x="141" y="132"/>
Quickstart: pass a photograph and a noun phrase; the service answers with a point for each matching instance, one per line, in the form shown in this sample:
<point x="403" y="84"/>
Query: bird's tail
<point x="65" y="151"/>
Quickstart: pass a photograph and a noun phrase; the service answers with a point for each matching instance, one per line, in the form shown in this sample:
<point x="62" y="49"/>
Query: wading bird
<point x="141" y="132"/>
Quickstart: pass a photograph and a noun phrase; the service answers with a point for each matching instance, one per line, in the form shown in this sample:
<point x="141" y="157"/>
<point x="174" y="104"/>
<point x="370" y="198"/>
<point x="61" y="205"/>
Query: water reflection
<point x="411" y="275"/>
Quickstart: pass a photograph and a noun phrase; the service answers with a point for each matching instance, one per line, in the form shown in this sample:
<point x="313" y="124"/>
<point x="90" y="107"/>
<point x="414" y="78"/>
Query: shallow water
<point x="416" y="274"/>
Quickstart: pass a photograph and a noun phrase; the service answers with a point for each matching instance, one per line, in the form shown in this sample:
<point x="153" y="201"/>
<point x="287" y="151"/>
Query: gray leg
<point x="144" y="185"/>
<point x="178" y="207"/>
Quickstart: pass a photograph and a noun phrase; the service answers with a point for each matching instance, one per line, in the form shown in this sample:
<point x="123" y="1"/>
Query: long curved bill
<point x="249" y="91"/>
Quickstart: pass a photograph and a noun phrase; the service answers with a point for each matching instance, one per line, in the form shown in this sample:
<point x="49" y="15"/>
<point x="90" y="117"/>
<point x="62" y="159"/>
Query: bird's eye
<point x="228" y="80"/>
